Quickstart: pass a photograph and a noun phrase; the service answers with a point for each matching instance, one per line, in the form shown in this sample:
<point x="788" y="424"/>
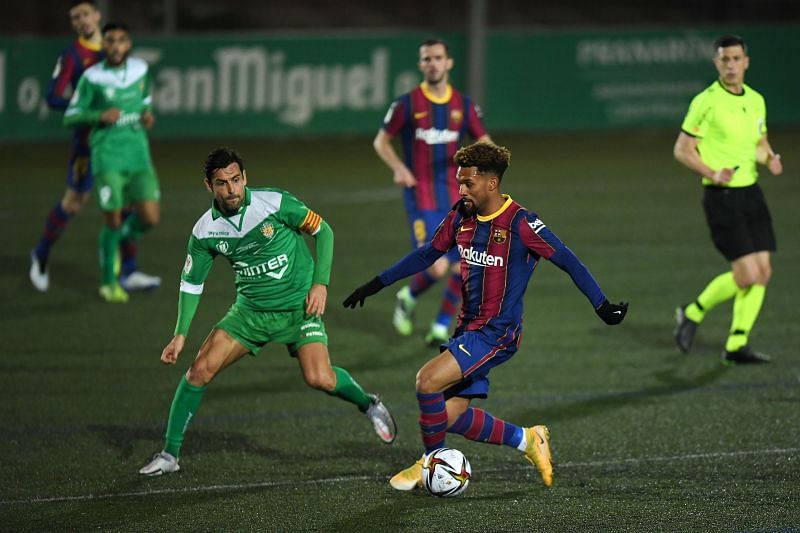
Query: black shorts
<point x="739" y="220"/>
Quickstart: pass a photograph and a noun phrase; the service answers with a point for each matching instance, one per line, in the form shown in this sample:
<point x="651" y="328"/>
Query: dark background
<point x="49" y="17"/>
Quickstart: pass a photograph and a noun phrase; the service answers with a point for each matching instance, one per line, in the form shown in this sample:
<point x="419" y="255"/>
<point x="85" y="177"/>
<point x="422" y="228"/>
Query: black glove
<point x="360" y="294"/>
<point x="612" y="314"/>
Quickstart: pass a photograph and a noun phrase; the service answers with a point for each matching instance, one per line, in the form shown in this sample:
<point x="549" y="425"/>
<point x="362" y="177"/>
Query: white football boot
<point x="162" y="463"/>
<point x="40" y="278"/>
<point x="382" y="420"/>
<point x="139" y="281"/>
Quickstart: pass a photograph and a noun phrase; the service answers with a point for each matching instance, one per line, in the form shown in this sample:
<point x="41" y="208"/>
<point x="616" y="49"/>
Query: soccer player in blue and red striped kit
<point x="499" y="243"/>
<point x="431" y="122"/>
<point x="78" y="56"/>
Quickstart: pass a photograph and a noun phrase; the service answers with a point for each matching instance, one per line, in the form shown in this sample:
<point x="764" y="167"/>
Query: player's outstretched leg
<point x="537" y="452"/>
<point x="371" y="405"/>
<point x="336" y="381"/>
<point x="185" y="404"/>
<point x="479" y="425"/>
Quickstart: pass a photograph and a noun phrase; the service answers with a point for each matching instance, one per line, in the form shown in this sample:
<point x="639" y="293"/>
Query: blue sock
<point x="450" y="300"/>
<point x="132" y="228"/>
<point x="127" y="250"/>
<point x="478" y="425"/>
<point x="53" y="228"/>
<point x="432" y="420"/>
<point x="421" y="282"/>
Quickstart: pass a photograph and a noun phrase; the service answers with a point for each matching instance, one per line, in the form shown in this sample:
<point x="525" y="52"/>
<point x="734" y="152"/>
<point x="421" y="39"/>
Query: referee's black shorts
<point x="739" y="220"/>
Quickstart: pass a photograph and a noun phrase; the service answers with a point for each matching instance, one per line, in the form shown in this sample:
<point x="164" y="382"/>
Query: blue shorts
<point x="423" y="224"/>
<point x="79" y="171"/>
<point x="477" y="352"/>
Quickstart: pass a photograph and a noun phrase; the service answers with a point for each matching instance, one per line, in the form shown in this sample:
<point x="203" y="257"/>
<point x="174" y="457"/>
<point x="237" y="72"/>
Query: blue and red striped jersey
<point x="73" y="61"/>
<point x="431" y="131"/>
<point x="499" y="253"/>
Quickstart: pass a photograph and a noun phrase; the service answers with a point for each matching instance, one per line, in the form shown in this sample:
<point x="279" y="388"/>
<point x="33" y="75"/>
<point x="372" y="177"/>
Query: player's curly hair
<point x="221" y="158"/>
<point x="487" y="156"/>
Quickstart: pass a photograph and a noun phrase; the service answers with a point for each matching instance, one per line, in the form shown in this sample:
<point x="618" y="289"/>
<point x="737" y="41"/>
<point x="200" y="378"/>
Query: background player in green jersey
<point x="281" y="297"/>
<point x="723" y="136"/>
<point x="114" y="98"/>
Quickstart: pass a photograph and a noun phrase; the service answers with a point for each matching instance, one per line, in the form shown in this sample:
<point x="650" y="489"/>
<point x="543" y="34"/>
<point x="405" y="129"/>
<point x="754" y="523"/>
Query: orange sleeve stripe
<point x="311" y="223"/>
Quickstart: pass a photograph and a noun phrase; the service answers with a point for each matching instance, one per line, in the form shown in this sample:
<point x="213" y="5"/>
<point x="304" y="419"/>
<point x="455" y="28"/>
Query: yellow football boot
<point x="537" y="452"/>
<point x="409" y="478"/>
<point x="113" y="293"/>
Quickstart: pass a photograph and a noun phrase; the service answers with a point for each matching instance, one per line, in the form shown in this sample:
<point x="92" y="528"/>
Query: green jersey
<point x="264" y="244"/>
<point x="122" y="146"/>
<point x="728" y="128"/>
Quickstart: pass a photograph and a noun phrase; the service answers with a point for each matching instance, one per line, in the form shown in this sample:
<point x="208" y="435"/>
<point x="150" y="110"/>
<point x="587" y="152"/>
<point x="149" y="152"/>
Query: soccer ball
<point x="446" y="472"/>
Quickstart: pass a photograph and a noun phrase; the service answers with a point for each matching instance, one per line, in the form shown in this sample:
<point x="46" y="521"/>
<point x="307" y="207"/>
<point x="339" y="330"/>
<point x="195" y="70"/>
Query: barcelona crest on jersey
<point x="499" y="235"/>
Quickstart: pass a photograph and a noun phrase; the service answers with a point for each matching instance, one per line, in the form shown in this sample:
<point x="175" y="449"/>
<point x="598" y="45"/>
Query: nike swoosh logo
<point x="466" y="229"/>
<point x="617" y="312"/>
<point x="461" y="347"/>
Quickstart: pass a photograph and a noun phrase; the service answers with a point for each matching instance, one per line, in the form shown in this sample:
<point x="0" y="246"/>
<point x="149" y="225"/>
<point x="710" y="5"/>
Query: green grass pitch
<point x="644" y="438"/>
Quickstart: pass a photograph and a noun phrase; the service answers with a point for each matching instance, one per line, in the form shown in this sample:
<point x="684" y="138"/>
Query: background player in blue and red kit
<point x="431" y="121"/>
<point x="78" y="56"/>
<point x="500" y="243"/>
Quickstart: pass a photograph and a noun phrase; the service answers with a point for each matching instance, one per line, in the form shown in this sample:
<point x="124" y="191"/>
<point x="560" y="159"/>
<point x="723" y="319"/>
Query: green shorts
<point x="117" y="189"/>
<point x="254" y="329"/>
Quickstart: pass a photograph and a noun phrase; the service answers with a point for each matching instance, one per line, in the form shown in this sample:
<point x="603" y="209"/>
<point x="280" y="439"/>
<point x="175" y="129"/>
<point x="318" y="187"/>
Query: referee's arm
<point x="685" y="151"/>
<point x="767" y="156"/>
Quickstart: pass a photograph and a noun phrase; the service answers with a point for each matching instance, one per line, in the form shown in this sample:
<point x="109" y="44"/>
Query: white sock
<point x="524" y="442"/>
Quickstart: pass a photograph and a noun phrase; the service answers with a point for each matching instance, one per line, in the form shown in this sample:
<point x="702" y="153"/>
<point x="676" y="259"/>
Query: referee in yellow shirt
<point x="722" y="138"/>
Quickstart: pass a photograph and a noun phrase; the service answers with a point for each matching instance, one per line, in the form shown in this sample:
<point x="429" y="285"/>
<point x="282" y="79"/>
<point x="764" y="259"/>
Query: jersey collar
<point x="498" y="212"/>
<point x="433" y="98"/>
<point x="89" y="45"/>
<point x="727" y="91"/>
<point x="216" y="213"/>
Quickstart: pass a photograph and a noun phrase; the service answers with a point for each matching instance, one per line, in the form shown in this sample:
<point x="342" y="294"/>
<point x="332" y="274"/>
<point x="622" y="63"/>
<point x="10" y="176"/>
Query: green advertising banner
<point x="233" y="86"/>
<point x="602" y="79"/>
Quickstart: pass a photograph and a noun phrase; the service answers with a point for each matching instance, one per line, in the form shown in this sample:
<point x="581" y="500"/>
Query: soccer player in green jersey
<point x="723" y="137"/>
<point x="113" y="97"/>
<point x="281" y="296"/>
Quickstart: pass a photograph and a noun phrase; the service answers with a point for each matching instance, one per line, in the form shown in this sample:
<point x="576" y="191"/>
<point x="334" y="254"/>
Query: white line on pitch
<point x="341" y="479"/>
